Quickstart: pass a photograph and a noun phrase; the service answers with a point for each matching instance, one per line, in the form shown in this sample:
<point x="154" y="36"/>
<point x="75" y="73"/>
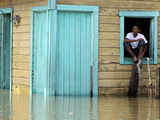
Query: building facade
<point x="113" y="69"/>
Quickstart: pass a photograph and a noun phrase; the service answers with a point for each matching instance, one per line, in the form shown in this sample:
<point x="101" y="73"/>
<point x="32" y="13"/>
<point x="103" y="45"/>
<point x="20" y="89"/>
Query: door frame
<point x="94" y="10"/>
<point x="9" y="11"/>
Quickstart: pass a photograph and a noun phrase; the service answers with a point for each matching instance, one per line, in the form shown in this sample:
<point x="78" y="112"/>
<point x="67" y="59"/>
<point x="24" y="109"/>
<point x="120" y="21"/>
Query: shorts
<point x="136" y="50"/>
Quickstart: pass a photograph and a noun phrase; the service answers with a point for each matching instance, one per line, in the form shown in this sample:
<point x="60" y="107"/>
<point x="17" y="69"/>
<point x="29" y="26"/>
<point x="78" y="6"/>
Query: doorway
<point x="73" y="70"/>
<point x="144" y="25"/>
<point x="5" y="51"/>
<point x="65" y="59"/>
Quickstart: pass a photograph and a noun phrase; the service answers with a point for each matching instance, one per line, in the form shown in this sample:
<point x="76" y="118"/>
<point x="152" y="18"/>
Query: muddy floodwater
<point x="38" y="107"/>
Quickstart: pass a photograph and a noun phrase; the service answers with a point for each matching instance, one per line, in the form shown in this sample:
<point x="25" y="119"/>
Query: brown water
<point x="37" y="107"/>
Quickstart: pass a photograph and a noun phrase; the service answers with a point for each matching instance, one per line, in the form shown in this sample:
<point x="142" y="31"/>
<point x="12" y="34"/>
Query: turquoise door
<point x="73" y="53"/>
<point x="40" y="55"/>
<point x="5" y="51"/>
<point x="64" y="51"/>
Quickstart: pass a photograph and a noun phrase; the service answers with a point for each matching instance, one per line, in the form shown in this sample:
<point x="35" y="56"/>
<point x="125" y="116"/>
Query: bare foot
<point x="139" y="62"/>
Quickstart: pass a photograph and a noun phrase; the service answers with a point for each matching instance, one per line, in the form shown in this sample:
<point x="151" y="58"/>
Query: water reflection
<point x="39" y="107"/>
<point x="20" y="107"/>
<point x="5" y="108"/>
<point x="123" y="108"/>
<point x="63" y="108"/>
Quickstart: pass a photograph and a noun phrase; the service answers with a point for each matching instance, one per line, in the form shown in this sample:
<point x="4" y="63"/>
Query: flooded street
<point x="38" y="107"/>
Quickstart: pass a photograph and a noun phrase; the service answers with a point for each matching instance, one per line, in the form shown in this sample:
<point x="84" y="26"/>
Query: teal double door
<point x="62" y="66"/>
<point x="5" y="29"/>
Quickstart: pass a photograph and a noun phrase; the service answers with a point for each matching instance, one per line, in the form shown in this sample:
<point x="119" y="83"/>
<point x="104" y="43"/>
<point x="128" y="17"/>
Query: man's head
<point x="135" y="29"/>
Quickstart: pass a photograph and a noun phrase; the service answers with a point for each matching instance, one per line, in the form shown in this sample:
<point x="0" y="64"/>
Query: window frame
<point x="139" y="14"/>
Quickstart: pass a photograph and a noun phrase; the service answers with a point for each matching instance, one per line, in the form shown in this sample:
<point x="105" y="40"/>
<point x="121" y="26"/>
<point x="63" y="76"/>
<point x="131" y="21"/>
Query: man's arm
<point x="144" y="38"/>
<point x="126" y="40"/>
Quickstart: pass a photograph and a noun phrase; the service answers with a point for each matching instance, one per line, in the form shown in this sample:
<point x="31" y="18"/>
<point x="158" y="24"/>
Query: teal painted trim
<point x="55" y="43"/>
<point x="155" y="40"/>
<point x="78" y="8"/>
<point x="52" y="40"/>
<point x="95" y="47"/>
<point x="69" y="8"/>
<point x="10" y="10"/>
<point x="130" y="61"/>
<point x="52" y="4"/>
<point x="31" y="58"/>
<point x="121" y="40"/>
<point x="46" y="91"/>
<point x="6" y="10"/>
<point x="139" y="13"/>
<point x="40" y="8"/>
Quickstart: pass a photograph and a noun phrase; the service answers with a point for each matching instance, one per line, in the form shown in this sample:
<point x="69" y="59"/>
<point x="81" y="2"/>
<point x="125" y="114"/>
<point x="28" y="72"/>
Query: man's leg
<point x="129" y="50"/>
<point x="142" y="50"/>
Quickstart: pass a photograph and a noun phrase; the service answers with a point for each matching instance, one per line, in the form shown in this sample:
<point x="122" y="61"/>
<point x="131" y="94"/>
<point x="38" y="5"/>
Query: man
<point x="135" y="44"/>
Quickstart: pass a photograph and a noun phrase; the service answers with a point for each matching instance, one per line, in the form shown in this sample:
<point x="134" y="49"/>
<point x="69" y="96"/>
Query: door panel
<point x="151" y="43"/>
<point x="1" y="52"/>
<point x="73" y="53"/>
<point x="40" y="56"/>
<point x="5" y="51"/>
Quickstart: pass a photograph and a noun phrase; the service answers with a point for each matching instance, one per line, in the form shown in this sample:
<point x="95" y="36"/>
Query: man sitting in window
<point x="135" y="44"/>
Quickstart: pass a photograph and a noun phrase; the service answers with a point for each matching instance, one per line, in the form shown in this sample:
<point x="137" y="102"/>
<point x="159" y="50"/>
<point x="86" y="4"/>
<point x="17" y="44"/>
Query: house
<point x="76" y="48"/>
